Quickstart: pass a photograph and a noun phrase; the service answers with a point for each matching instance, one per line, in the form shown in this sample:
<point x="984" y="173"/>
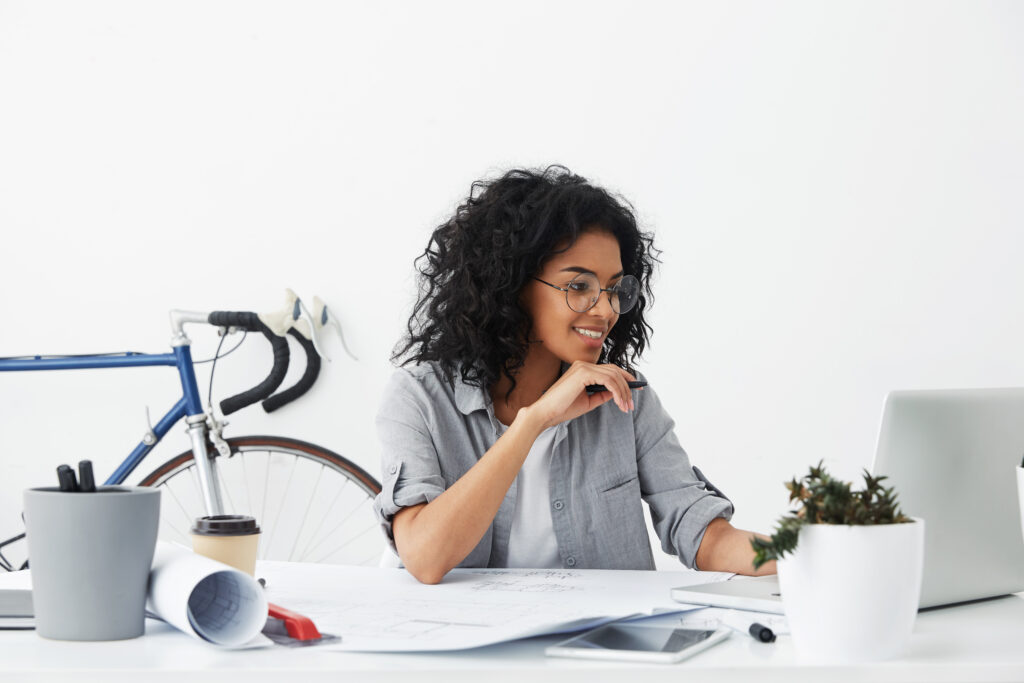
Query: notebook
<point x="16" y="610"/>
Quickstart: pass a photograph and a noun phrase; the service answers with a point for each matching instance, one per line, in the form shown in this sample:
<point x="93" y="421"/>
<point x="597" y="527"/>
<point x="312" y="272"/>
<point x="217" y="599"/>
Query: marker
<point x="595" y="388"/>
<point x="86" y="482"/>
<point x="66" y="478"/>
<point x="758" y="632"/>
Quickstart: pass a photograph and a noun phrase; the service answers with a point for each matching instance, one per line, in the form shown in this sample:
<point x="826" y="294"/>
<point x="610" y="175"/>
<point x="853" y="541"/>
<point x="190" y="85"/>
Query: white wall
<point x="835" y="187"/>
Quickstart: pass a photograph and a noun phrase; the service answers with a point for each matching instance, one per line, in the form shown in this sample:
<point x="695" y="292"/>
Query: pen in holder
<point x="86" y="482"/>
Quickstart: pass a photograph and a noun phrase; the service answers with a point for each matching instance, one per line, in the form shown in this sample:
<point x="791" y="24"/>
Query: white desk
<point x="977" y="642"/>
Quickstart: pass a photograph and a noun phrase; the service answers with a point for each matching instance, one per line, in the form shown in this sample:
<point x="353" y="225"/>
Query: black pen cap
<point x="762" y="633"/>
<point x="86" y="482"/>
<point x="66" y="479"/>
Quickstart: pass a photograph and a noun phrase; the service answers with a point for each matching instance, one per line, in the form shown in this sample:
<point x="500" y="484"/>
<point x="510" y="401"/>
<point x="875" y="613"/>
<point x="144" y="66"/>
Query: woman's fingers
<point x="615" y="380"/>
<point x="619" y="385"/>
<point x="599" y="398"/>
<point x="568" y="398"/>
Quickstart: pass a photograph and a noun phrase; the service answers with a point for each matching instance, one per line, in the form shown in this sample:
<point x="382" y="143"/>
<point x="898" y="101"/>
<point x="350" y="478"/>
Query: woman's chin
<point x="586" y="357"/>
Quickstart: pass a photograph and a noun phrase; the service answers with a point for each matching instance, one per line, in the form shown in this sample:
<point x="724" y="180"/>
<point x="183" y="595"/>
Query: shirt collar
<point x="469" y="398"/>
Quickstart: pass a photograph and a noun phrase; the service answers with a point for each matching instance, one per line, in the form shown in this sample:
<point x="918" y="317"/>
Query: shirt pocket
<point x="626" y="480"/>
<point x="618" y="526"/>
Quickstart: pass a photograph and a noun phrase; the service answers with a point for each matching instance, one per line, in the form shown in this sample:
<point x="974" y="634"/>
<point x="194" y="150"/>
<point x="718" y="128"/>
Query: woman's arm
<point x="725" y="548"/>
<point x="432" y="538"/>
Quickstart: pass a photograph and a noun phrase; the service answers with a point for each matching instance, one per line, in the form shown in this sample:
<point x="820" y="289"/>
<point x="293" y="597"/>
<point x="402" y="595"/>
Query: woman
<point x="494" y="453"/>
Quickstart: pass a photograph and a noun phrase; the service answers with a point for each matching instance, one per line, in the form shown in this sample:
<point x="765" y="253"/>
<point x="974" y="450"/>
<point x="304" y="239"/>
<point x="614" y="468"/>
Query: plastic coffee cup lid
<point x="226" y="525"/>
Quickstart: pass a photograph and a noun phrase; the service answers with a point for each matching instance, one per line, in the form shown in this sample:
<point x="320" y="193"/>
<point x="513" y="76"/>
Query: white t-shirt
<point x="532" y="541"/>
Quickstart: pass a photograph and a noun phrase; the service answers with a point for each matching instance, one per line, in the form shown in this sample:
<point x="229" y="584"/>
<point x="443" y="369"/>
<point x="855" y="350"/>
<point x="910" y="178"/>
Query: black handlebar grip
<point x="251" y="322"/>
<point x="304" y="383"/>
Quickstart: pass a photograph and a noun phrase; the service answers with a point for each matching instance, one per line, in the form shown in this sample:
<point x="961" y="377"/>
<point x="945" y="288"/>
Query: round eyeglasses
<point x="585" y="289"/>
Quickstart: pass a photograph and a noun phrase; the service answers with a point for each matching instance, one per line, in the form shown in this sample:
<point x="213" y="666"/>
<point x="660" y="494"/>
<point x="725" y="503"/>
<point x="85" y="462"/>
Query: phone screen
<point x="639" y="638"/>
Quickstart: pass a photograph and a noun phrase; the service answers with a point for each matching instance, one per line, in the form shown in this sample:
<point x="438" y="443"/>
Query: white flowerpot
<point x="851" y="592"/>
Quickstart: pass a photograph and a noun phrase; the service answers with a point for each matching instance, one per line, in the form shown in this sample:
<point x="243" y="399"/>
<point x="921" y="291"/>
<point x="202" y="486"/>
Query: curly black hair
<point x="468" y="313"/>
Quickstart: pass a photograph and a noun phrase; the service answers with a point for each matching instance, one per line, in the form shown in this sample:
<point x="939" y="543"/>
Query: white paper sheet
<point x="16" y="580"/>
<point x="206" y="599"/>
<point x="387" y="610"/>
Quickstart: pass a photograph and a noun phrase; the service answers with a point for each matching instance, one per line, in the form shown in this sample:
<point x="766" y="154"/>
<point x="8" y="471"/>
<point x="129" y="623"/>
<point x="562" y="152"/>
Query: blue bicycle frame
<point x="189" y="406"/>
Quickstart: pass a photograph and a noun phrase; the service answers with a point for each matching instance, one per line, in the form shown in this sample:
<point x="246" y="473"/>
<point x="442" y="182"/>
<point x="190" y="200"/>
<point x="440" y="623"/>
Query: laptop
<point x="950" y="455"/>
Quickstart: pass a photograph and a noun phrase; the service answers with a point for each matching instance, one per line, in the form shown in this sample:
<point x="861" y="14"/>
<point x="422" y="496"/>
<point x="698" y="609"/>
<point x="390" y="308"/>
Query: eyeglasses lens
<point x="584" y="291"/>
<point x="628" y="293"/>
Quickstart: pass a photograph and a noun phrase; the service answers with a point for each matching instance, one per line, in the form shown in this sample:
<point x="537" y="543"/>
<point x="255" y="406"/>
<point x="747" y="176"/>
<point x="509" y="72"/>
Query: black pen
<point x="86" y="483"/>
<point x="595" y="388"/>
<point x="66" y="477"/>
<point x="758" y="632"/>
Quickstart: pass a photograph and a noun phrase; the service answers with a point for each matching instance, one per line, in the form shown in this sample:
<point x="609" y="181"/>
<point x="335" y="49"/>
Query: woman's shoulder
<point x="427" y="382"/>
<point x="419" y="370"/>
<point x="427" y="390"/>
<point x="415" y="377"/>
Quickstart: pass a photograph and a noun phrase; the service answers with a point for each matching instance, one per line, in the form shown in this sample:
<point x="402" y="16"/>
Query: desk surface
<point x="978" y="642"/>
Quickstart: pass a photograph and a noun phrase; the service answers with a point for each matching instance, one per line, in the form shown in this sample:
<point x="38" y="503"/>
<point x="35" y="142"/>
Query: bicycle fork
<point x="206" y="468"/>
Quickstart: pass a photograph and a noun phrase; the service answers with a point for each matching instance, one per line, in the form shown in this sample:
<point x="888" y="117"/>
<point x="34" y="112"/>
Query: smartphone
<point x="639" y="643"/>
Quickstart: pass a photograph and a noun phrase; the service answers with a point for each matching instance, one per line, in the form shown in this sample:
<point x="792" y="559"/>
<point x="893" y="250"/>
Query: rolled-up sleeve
<point x="681" y="505"/>
<point x="409" y="465"/>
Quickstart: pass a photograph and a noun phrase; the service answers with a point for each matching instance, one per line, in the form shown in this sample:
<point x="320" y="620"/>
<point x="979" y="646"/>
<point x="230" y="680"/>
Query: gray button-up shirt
<point x="602" y="465"/>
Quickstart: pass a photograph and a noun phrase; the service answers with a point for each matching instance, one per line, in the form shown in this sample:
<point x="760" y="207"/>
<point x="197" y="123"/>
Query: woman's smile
<point x="591" y="337"/>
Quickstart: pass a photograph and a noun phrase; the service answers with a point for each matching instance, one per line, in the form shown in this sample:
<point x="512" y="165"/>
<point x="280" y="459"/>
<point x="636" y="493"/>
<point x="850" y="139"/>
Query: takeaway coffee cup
<point x="90" y="555"/>
<point x="231" y="539"/>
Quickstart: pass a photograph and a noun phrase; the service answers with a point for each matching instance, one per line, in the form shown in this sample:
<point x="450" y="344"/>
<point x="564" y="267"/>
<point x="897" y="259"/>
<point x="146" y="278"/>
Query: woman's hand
<point x="568" y="398"/>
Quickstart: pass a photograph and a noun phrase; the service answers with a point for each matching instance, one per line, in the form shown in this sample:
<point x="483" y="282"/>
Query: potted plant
<point x="849" y="566"/>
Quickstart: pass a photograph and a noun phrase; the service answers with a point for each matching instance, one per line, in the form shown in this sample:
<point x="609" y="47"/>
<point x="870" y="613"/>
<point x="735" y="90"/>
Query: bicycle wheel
<point x="312" y="504"/>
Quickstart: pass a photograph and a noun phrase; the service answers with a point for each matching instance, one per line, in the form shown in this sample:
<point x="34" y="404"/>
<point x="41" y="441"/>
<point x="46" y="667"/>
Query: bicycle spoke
<point x="167" y="487"/>
<point x="323" y="518"/>
<point x="284" y="499"/>
<point x="305" y="515"/>
<point x="223" y="485"/>
<point x="368" y="560"/>
<point x="245" y="481"/>
<point x="199" y="490"/>
<point x="176" y="530"/>
<point x="263" y="506"/>
<point x="339" y="524"/>
<point x="167" y="522"/>
<point x="345" y="543"/>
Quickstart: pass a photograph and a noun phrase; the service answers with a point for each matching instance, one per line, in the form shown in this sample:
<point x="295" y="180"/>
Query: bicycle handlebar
<point x="251" y="322"/>
<point x="305" y="382"/>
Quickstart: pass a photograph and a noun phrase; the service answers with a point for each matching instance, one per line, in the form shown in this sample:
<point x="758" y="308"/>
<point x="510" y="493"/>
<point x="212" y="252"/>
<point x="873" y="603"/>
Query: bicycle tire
<point x="351" y="540"/>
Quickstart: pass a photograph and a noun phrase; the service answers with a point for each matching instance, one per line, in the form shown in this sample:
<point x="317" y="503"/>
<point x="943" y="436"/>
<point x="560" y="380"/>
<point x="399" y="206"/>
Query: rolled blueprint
<point x="204" y="598"/>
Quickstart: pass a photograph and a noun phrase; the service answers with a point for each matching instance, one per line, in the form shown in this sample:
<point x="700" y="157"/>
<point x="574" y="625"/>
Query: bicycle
<point x="197" y="481"/>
